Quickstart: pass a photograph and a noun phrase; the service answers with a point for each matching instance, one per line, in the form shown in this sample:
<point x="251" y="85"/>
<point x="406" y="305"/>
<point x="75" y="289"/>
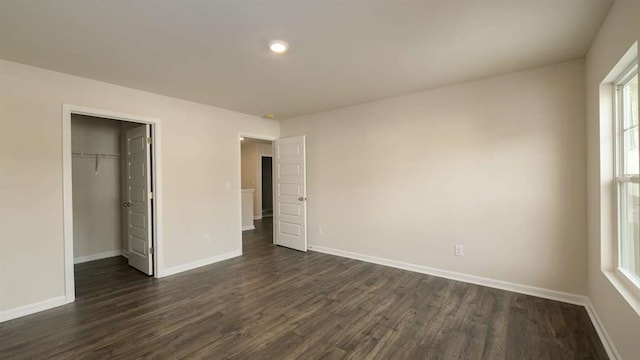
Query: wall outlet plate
<point x="459" y="250"/>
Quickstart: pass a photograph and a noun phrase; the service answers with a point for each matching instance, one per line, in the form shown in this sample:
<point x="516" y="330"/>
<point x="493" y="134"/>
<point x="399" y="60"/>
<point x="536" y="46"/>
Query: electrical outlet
<point x="459" y="250"/>
<point x="207" y="239"/>
<point x="319" y="229"/>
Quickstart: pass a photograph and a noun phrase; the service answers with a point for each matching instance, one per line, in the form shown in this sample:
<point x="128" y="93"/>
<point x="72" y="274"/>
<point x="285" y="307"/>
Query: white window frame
<point x="629" y="280"/>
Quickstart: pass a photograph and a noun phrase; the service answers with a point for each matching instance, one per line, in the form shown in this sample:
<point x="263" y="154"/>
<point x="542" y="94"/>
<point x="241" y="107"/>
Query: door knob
<point x="302" y="198"/>
<point x="126" y="204"/>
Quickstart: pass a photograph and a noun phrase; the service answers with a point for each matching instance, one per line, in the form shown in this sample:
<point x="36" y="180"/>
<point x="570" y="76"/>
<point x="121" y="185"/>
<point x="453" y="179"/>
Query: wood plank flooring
<point x="276" y="303"/>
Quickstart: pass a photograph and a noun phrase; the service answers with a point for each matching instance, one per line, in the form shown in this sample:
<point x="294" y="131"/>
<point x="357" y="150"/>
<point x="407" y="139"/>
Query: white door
<point x="290" y="215"/>
<point x="138" y="202"/>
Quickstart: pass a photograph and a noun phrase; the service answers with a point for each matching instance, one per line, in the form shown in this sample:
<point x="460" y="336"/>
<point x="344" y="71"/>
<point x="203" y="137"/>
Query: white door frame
<point x="67" y="188"/>
<point x="241" y="135"/>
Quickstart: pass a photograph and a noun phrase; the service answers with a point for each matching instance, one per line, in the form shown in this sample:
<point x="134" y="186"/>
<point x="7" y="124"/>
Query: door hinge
<point x="149" y="140"/>
<point x="150" y="195"/>
<point x="151" y="250"/>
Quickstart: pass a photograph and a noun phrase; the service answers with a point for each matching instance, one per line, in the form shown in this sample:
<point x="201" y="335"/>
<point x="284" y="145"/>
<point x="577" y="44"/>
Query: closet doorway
<point x="111" y="192"/>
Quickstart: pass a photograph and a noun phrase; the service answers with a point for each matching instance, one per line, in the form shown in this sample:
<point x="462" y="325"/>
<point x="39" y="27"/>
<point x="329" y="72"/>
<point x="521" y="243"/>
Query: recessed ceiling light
<point x="278" y="46"/>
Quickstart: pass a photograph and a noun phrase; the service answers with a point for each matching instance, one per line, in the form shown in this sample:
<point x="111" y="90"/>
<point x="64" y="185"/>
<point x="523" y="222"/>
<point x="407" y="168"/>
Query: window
<point x="628" y="174"/>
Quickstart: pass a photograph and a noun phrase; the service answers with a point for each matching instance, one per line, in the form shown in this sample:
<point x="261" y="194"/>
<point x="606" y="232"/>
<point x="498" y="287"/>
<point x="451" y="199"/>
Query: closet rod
<point x="93" y="155"/>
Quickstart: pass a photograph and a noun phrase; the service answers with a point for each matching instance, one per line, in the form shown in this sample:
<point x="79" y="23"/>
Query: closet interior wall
<point x="98" y="147"/>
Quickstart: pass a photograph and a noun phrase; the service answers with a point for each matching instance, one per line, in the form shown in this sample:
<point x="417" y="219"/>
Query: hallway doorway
<point x="267" y="186"/>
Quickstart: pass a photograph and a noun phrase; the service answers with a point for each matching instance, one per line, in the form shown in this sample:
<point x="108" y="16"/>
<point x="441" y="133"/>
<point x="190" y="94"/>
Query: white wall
<point x="496" y="164"/>
<point x="97" y="215"/>
<point x="199" y="156"/>
<point x="620" y="30"/>
<point x="252" y="170"/>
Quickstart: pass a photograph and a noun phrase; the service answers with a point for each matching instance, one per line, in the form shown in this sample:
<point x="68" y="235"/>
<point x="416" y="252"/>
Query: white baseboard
<point x="25" y="310"/>
<point x="198" y="263"/>
<point x="478" y="280"/>
<point x="607" y="342"/>
<point x="248" y="227"/>
<point x="98" y="256"/>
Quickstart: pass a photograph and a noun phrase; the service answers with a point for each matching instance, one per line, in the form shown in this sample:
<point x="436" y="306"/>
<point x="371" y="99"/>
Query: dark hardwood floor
<point x="276" y="303"/>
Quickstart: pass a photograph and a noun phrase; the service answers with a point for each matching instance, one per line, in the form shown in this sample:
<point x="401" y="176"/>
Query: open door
<point x="138" y="203"/>
<point x="290" y="215"/>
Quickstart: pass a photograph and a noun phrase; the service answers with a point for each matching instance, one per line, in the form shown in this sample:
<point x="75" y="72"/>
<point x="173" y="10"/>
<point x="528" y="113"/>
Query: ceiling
<point x="342" y="52"/>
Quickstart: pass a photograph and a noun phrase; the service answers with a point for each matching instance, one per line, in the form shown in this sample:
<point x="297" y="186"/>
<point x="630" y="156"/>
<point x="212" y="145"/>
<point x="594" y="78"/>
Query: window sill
<point x="625" y="287"/>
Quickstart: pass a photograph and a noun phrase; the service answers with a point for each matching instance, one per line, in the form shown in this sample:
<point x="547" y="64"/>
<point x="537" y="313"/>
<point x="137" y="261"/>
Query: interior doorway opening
<point x="288" y="184"/>
<point x="266" y="163"/>
<point x="256" y="174"/>
<point x="112" y="191"/>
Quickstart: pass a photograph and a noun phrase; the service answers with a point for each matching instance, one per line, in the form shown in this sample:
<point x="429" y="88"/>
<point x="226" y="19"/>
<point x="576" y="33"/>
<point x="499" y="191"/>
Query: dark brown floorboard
<point x="276" y="303"/>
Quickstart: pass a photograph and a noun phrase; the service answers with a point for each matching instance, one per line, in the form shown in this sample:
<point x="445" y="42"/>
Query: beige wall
<point x="252" y="170"/>
<point x="620" y="30"/>
<point x="248" y="166"/>
<point x="199" y="156"/>
<point x="496" y="165"/>
<point x="97" y="214"/>
<point x="249" y="170"/>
